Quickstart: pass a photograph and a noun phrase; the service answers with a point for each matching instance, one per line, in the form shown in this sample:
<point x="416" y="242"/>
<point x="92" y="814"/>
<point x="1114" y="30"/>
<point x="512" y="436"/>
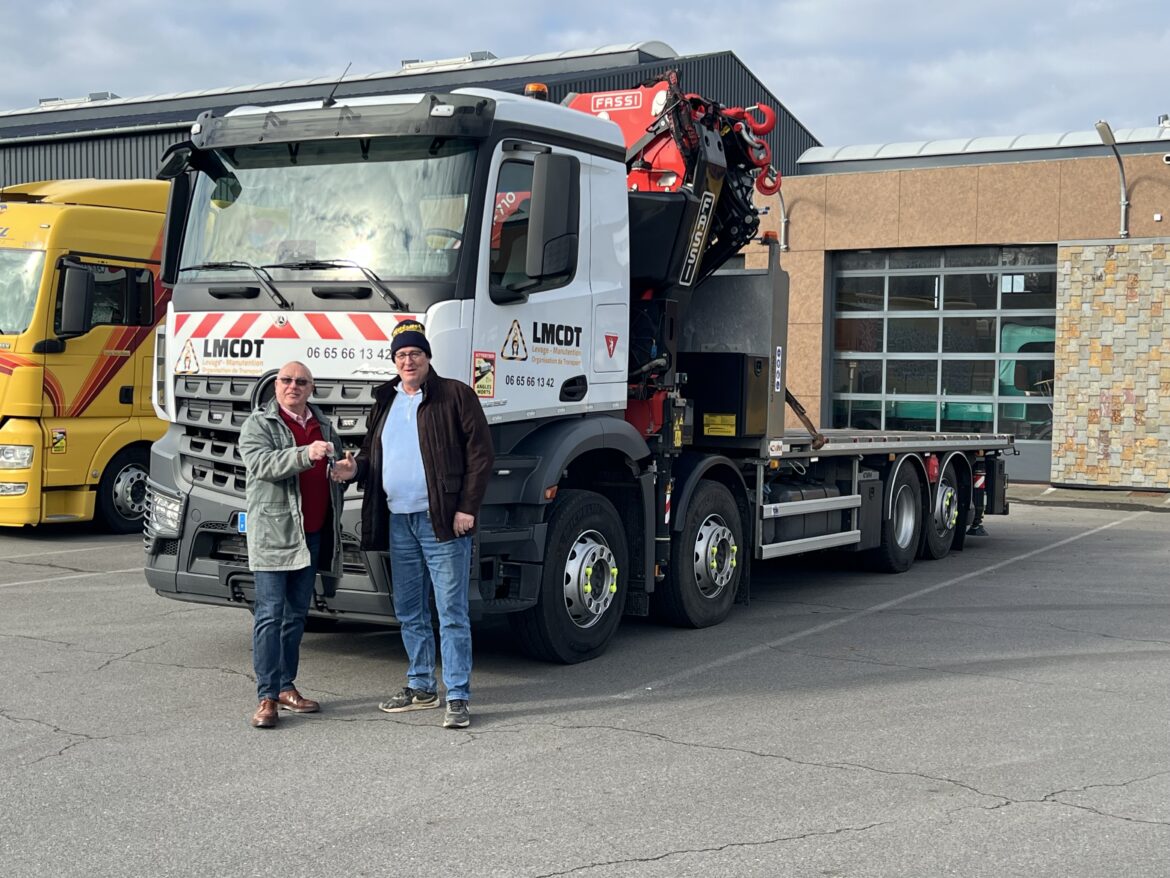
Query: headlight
<point x="164" y="513"/>
<point x="12" y="489"/>
<point x="16" y="456"/>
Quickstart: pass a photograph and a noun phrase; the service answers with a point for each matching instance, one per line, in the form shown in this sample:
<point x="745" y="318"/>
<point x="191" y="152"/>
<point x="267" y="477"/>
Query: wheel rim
<point x="946" y="508"/>
<point x="590" y="579"/>
<point x="130" y="492"/>
<point x="905" y="516"/>
<point x="714" y="556"/>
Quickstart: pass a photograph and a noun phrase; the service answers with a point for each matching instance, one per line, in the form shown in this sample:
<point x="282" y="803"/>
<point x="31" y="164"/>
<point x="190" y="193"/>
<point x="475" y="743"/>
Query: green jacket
<point x="276" y="527"/>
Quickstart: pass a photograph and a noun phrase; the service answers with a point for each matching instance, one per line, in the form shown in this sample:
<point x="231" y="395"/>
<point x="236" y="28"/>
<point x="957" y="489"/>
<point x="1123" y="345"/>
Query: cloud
<point x="852" y="71"/>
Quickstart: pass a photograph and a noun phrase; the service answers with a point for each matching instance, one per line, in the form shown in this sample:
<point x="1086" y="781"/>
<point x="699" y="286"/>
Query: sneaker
<point x="457" y="715"/>
<point x="409" y="699"/>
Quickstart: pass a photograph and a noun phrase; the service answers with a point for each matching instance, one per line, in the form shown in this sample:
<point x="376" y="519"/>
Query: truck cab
<point x="79" y="300"/>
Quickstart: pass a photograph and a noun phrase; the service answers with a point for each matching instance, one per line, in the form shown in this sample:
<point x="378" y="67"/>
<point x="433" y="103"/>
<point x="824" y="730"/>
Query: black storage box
<point x="730" y="395"/>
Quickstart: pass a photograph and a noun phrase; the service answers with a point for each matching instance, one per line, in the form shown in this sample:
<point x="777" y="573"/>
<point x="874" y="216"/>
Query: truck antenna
<point x="329" y="101"/>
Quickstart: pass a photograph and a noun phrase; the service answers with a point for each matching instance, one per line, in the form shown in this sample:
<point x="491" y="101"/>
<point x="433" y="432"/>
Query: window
<point x="957" y="338"/>
<point x="122" y="296"/>
<point x="396" y="206"/>
<point x="507" y="265"/>
<point x="20" y="281"/>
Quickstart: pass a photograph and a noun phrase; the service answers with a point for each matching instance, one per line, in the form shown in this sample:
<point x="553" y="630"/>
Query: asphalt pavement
<point x="1001" y="712"/>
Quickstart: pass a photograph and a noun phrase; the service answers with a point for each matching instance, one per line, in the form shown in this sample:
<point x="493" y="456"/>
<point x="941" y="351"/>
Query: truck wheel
<point x="704" y="577"/>
<point x="901" y="528"/>
<point x="121" y="498"/>
<point x="583" y="584"/>
<point x="939" y="530"/>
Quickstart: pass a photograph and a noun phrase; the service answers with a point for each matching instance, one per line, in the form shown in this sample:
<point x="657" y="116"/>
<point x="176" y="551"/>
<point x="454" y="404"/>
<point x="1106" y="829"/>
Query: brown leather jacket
<point x="457" y="457"/>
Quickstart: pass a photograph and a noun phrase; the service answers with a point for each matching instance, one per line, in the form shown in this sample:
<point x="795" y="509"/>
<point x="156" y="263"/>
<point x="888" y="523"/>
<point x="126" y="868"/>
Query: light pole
<point x="1107" y="138"/>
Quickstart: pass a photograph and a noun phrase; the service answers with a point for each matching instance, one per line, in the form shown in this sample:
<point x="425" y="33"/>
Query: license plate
<point x="242" y="522"/>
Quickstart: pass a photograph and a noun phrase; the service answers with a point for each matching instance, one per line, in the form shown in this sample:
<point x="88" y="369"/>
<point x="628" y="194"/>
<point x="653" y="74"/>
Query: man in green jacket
<point x="293" y="524"/>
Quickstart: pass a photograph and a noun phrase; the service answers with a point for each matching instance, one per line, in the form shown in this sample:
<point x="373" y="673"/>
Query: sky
<point x="852" y="71"/>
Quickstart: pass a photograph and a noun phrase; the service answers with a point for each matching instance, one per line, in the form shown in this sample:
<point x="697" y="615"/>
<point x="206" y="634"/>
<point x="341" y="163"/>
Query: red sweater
<point x="314" y="481"/>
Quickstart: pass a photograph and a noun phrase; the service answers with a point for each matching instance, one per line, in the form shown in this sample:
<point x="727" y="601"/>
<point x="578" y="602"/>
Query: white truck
<point x="636" y="397"/>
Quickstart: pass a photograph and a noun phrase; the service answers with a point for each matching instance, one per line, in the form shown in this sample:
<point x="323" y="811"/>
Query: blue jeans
<point x="282" y="602"/>
<point x="414" y="552"/>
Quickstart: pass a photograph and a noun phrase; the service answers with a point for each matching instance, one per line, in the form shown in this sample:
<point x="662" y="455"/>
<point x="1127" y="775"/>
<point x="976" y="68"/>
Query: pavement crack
<point x="714" y="849"/>
<point x="183" y="667"/>
<point x="45" y="564"/>
<point x="1109" y="636"/>
<point x="1053" y="799"/>
<point x="834" y="765"/>
<point x="119" y="658"/>
<point x="930" y="668"/>
<point x="81" y="737"/>
<point x="38" y="639"/>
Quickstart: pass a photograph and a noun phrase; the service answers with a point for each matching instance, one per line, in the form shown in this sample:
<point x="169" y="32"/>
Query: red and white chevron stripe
<point x="332" y="326"/>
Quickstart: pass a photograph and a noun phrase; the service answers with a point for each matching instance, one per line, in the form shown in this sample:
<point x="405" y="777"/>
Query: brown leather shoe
<point x="265" y="715"/>
<point x="293" y="700"/>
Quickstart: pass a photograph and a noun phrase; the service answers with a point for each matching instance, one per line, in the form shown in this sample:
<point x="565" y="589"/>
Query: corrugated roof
<point x="652" y="48"/>
<point x="974" y="145"/>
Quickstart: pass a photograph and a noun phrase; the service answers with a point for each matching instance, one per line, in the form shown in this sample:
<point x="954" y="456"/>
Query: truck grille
<point x="212" y="410"/>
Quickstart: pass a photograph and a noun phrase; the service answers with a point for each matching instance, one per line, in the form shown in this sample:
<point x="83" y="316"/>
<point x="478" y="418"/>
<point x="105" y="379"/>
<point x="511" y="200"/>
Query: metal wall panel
<point x="121" y="157"/>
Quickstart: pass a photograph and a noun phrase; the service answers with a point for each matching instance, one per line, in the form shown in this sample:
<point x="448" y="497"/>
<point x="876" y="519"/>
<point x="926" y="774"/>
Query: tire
<point x="582" y="589"/>
<point x="704" y="575"/>
<point x="902" y="528"/>
<point x="944" y="518"/>
<point x="121" y="497"/>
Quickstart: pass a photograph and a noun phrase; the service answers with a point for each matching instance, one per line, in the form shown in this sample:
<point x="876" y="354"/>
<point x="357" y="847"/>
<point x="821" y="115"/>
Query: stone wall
<point x="1111" y="410"/>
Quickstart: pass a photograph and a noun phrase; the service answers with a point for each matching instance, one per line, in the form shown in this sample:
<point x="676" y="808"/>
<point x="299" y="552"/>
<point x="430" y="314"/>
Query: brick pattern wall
<point x="1111" y="411"/>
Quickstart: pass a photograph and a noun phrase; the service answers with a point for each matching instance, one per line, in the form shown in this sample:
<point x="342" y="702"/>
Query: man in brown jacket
<point x="425" y="461"/>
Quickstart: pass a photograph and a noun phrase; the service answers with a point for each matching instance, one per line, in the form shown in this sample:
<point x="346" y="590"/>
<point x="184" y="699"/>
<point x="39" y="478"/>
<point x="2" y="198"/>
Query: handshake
<point x="339" y="470"/>
<point x="342" y="470"/>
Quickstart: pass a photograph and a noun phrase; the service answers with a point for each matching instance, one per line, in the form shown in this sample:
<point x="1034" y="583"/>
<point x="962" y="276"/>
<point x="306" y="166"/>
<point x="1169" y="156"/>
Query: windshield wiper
<point x="263" y="276"/>
<point x="329" y="264"/>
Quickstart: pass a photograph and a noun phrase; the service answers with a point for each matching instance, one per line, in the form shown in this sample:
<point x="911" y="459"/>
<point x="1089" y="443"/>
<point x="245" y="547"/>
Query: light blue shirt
<point x="403" y="475"/>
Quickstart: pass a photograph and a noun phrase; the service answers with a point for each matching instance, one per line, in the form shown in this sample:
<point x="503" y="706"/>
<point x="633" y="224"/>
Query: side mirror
<point x="76" y="302"/>
<point x="554" y="216"/>
<point x="176" y="161"/>
<point x="178" y="205"/>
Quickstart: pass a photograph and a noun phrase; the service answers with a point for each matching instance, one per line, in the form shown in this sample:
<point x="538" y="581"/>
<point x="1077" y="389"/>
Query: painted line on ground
<point x="65" y="551"/>
<point x="137" y="569"/>
<point x="860" y="614"/>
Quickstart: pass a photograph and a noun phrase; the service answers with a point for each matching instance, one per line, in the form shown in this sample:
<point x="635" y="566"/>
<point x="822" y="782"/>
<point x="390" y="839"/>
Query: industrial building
<point x="107" y="136"/>
<point x="1014" y="284"/>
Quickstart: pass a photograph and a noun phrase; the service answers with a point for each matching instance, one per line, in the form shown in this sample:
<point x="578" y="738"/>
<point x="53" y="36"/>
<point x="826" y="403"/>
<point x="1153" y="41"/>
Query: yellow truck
<point x="80" y="298"/>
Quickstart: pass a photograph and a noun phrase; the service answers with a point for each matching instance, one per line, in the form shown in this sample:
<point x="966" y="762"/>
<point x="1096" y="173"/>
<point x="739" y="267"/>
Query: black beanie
<point x="409" y="334"/>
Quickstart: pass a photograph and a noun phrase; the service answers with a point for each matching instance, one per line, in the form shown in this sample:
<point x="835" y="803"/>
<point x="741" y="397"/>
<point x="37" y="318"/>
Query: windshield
<point x="20" y="277"/>
<point x="394" y="206"/>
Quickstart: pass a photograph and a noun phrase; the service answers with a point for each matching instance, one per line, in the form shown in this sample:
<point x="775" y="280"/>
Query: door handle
<point x="574" y="389"/>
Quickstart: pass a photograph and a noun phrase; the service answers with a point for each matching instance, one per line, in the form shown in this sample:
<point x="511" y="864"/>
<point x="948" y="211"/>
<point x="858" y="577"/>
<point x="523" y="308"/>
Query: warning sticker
<point x="719" y="425"/>
<point x="57" y="441"/>
<point x="188" y="363"/>
<point x="515" y="348"/>
<point x="483" y="374"/>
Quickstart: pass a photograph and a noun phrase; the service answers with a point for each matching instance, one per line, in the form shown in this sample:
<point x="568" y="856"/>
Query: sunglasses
<point x="286" y="381"/>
